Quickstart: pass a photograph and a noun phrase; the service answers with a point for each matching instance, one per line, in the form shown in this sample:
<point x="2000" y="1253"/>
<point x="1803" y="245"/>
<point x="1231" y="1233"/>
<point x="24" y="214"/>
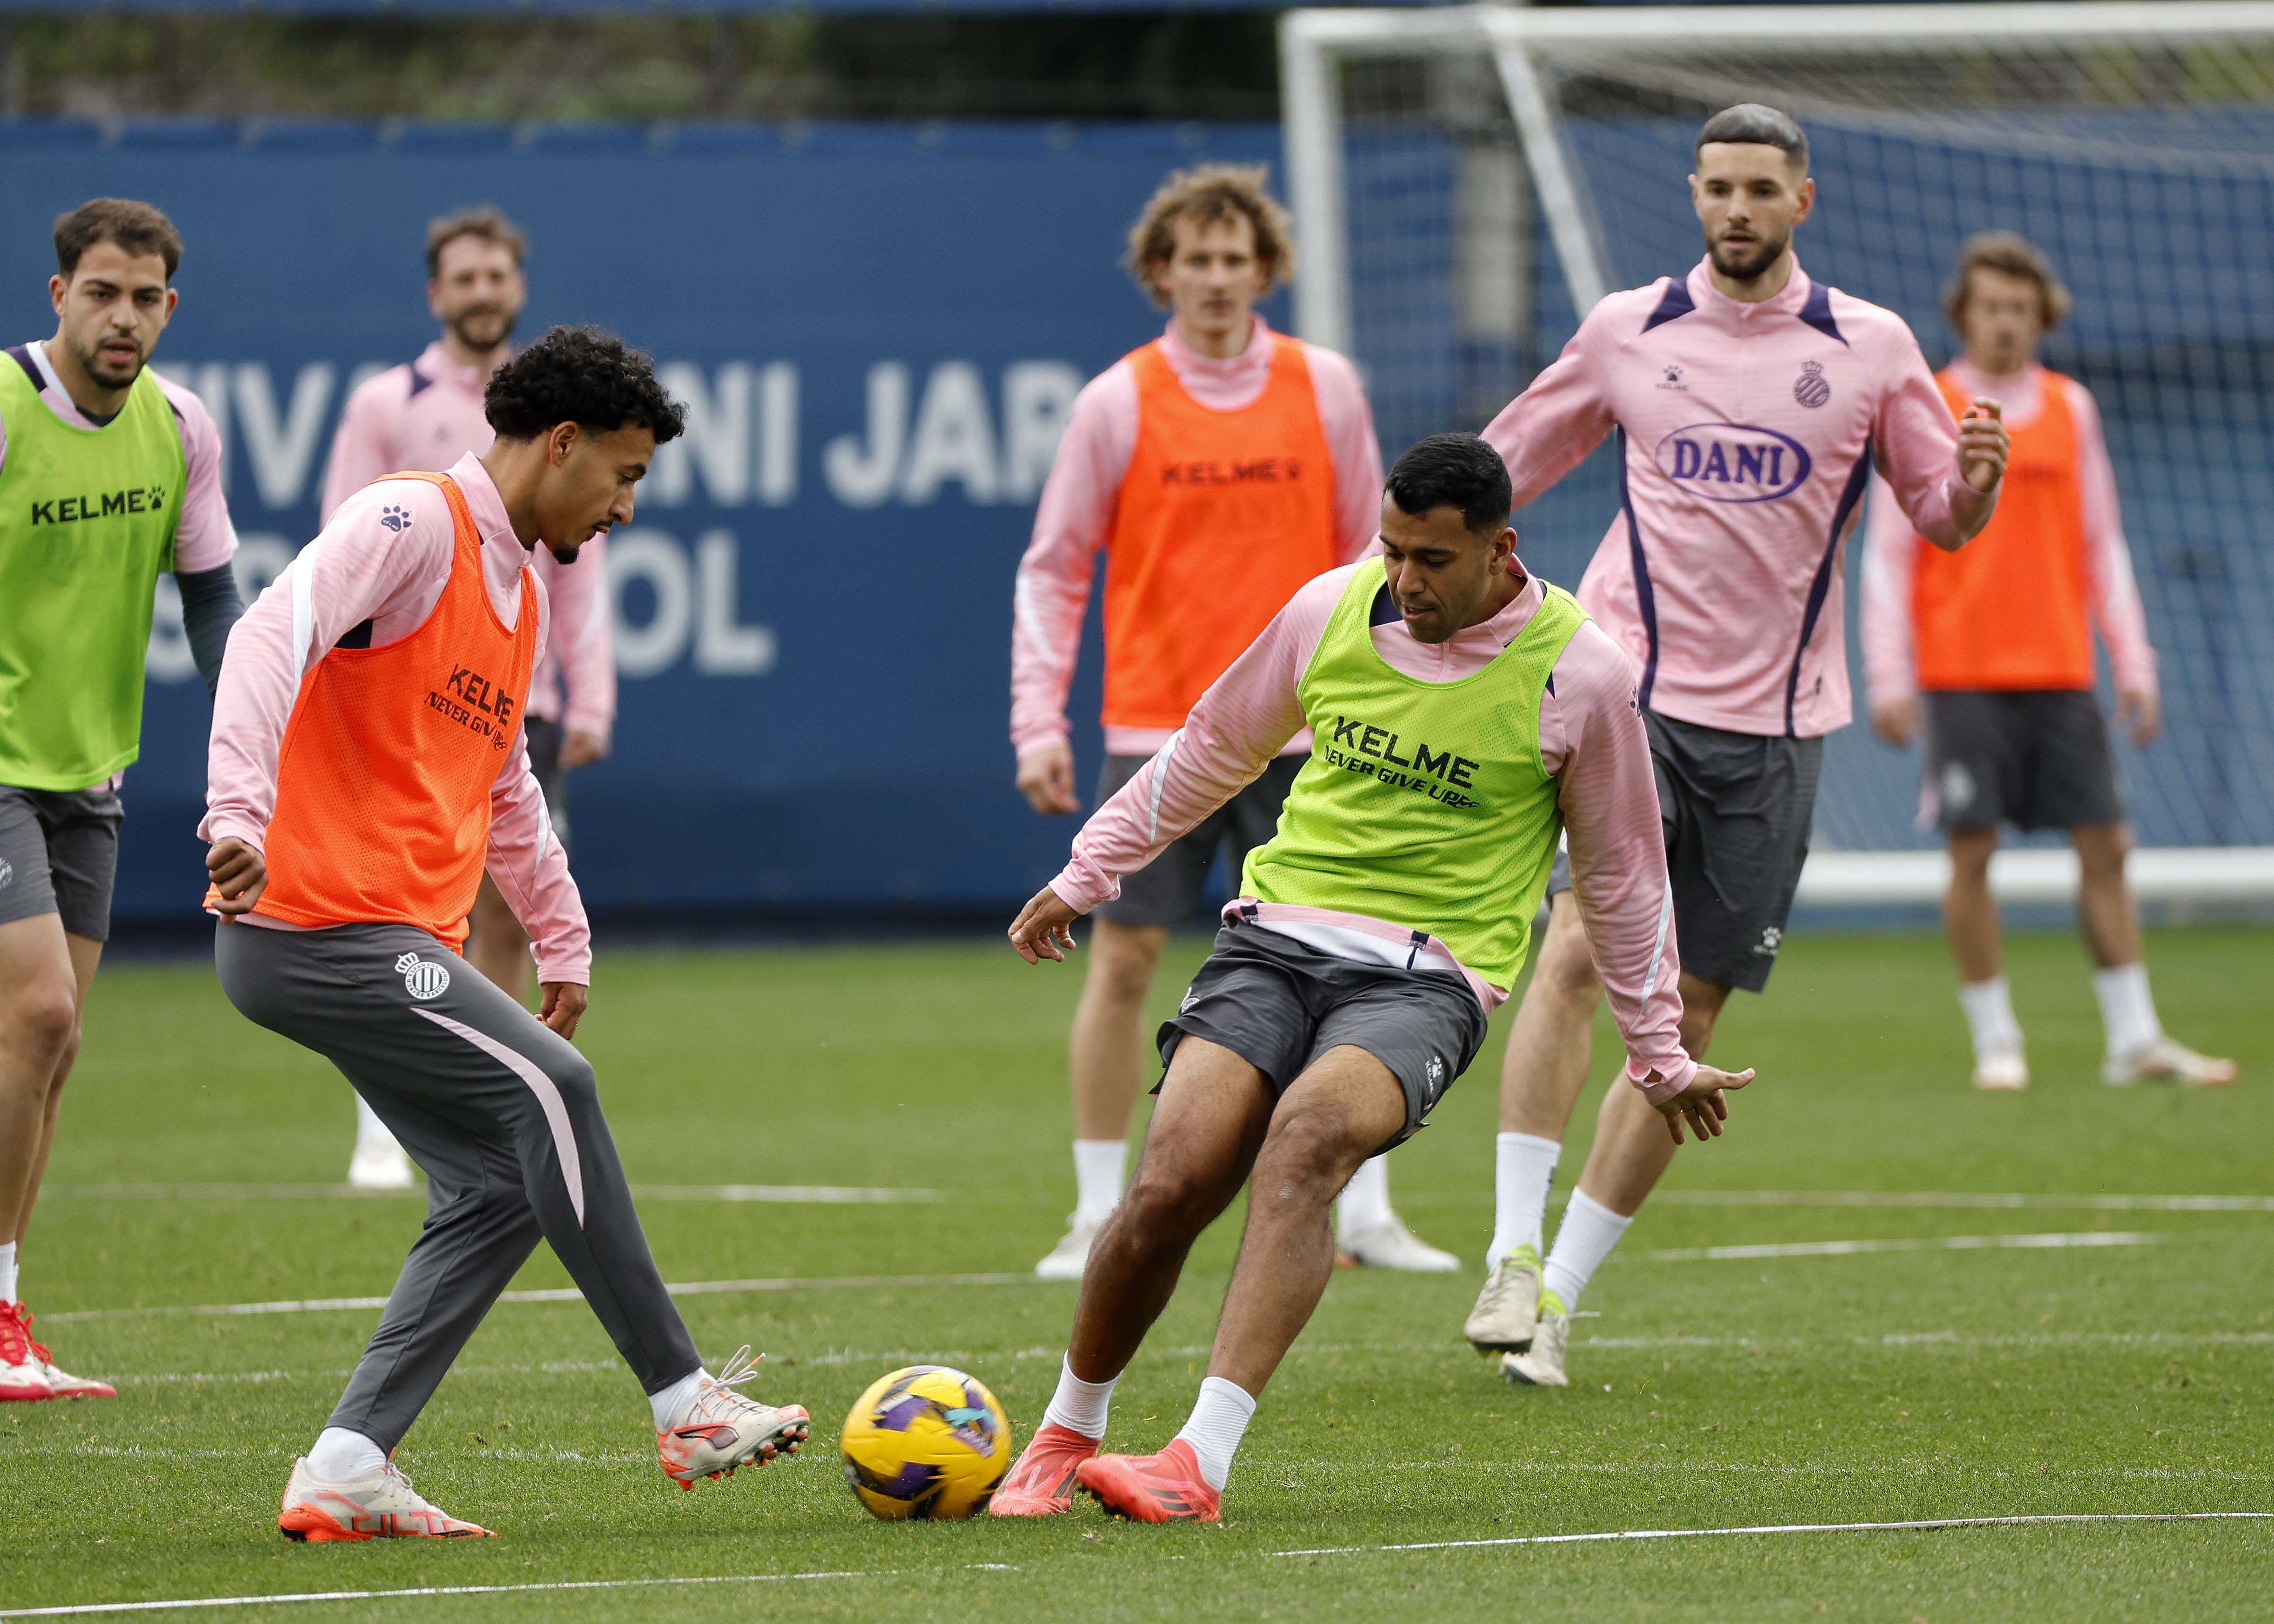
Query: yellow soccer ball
<point x="926" y="1442"/>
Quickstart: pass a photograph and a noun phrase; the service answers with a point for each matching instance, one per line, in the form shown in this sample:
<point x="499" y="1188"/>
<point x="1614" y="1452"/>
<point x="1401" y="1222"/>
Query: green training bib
<point x="1423" y="804"/>
<point x="86" y="525"/>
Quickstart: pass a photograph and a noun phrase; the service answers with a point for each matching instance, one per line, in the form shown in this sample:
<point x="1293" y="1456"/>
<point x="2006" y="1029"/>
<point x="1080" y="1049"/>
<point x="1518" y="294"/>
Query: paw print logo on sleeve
<point x="397" y="519"/>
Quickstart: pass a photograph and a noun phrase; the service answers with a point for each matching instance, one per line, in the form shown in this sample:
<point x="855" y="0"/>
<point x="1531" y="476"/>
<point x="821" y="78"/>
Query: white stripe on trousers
<point x="556" y="1112"/>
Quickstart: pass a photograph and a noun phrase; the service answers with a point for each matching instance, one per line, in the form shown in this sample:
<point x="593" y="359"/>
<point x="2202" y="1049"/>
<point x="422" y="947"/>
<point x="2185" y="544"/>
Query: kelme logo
<point x="1733" y="462"/>
<point x="423" y="977"/>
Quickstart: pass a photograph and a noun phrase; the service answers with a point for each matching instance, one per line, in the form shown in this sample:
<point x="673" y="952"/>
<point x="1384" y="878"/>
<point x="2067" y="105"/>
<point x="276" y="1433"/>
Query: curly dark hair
<point x="1453" y="470"/>
<point x="585" y="375"/>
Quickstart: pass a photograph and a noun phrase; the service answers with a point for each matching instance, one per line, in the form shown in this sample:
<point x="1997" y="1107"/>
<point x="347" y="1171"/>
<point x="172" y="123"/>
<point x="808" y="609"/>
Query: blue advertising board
<point x="879" y="330"/>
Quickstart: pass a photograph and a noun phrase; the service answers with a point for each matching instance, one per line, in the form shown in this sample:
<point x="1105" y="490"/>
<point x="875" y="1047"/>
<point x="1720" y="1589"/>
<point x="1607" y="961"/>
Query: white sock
<point x="668" y="1403"/>
<point x="1219" y="1418"/>
<point x="369" y="1128"/>
<point x="1365" y="1199"/>
<point x="1583" y="1240"/>
<point x="8" y="1273"/>
<point x="340" y="1453"/>
<point x="1988" y="1008"/>
<point x="1078" y="1404"/>
<point x="1097" y="1170"/>
<point x="1523" y="1165"/>
<point x="2127" y="1010"/>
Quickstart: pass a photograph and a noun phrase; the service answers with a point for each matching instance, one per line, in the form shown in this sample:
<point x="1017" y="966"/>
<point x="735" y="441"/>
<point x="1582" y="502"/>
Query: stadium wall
<point x="879" y="328"/>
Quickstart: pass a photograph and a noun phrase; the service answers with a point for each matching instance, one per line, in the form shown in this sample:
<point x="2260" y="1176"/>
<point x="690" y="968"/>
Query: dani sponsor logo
<point x="1733" y="462"/>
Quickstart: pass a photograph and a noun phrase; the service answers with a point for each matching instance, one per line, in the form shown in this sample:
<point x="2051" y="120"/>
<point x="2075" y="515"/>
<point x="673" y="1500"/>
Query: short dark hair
<point x="2014" y="255"/>
<point x="1454" y="471"/>
<point x="584" y="376"/>
<point x="487" y="223"/>
<point x="138" y="228"/>
<point x="1753" y="124"/>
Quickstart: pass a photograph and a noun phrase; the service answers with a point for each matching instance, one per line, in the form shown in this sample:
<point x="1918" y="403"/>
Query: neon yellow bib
<point x="1423" y="804"/>
<point x="87" y="523"/>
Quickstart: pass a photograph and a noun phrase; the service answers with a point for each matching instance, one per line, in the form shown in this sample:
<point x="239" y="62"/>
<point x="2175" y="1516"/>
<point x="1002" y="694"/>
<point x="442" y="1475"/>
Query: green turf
<point x="1708" y="1392"/>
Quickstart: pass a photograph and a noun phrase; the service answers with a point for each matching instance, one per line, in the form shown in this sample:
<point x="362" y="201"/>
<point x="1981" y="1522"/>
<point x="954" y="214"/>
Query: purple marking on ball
<point x="910" y="1481"/>
<point x="899" y="1417"/>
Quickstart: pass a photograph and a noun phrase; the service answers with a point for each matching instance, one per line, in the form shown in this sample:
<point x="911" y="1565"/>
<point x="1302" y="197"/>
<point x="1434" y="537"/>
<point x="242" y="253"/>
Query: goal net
<point x="1468" y="182"/>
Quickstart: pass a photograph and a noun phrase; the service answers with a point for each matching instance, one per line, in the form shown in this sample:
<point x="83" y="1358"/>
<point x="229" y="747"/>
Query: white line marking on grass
<point x="1939" y="1244"/>
<point x="568" y="1294"/>
<point x="427" y="1590"/>
<point x="1905" y="1199"/>
<point x="803" y="1195"/>
<point x="1929" y="1525"/>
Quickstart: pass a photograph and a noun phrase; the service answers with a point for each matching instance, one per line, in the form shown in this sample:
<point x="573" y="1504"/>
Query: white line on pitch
<point x="1939" y="1244"/>
<point x="427" y="1589"/>
<point x="797" y="1195"/>
<point x="565" y="1294"/>
<point x="1928" y="1199"/>
<point x="1928" y="1526"/>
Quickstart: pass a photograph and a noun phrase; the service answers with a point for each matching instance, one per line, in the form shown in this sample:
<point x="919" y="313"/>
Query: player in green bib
<point x="109" y="476"/>
<point x="1461" y="716"/>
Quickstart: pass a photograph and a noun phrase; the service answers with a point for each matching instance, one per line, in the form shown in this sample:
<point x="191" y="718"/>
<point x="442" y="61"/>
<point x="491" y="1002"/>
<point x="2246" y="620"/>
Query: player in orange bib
<point x="1218" y="468"/>
<point x="368" y="764"/>
<point x="1988" y="652"/>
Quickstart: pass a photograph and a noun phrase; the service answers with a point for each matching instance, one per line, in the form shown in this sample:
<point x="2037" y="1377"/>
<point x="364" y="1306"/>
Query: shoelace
<point x="15" y="1335"/>
<point x="1499" y="1286"/>
<point x="742" y="1367"/>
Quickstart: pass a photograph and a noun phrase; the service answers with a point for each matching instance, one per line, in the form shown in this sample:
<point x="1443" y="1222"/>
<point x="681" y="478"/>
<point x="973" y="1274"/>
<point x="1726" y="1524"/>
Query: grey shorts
<point x="1167" y="890"/>
<point x="1279" y="1005"/>
<point x="2037" y="758"/>
<point x="59" y="855"/>
<point x="543" y="737"/>
<point x="1737" y="809"/>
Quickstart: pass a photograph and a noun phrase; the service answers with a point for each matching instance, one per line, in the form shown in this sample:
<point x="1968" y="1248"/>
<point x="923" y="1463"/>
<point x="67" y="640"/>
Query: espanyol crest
<point x="423" y="977"/>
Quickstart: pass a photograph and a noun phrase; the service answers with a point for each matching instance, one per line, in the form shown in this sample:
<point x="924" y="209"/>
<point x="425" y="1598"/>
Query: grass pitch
<point x="1788" y="1336"/>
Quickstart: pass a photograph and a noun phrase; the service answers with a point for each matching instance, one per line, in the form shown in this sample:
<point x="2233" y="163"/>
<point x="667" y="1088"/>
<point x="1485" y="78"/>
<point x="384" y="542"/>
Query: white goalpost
<point x="1467" y="182"/>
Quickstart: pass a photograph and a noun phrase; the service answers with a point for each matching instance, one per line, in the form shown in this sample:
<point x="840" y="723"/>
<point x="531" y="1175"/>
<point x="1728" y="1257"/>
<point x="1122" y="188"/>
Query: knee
<point x="1171" y="1195"/>
<point x="1567" y="965"/>
<point x="1122" y="961"/>
<point x="1308" y="1156"/>
<point x="1970" y="852"/>
<point x="2101" y="849"/>
<point x="574" y="1079"/>
<point x="44" y="1016"/>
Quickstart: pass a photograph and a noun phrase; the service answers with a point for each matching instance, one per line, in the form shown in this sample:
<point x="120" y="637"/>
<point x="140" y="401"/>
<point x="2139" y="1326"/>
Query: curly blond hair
<point x="1204" y="195"/>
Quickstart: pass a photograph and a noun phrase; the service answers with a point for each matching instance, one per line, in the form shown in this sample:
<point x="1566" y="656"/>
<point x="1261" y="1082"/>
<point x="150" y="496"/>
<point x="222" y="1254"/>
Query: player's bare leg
<point x="1969" y="919"/>
<point x="2138" y="1049"/>
<point x="1214" y="1110"/>
<point x="1546" y="1068"/>
<point x="1631" y="1152"/>
<point x="1107" y="1058"/>
<point x="1332" y="1118"/>
<point x="498" y="946"/>
<point x="45" y="973"/>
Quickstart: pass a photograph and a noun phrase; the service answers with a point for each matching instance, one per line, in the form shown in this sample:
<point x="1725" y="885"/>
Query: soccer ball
<point x="926" y="1442"/>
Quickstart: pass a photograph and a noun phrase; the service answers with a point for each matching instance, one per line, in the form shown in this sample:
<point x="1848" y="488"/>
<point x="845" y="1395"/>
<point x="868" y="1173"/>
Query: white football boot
<point x="1390" y="1244"/>
<point x="1071" y="1256"/>
<point x="2002" y="1070"/>
<point x="718" y="1431"/>
<point x="379" y="1161"/>
<point x="2168" y="1061"/>
<point x="1541" y="1365"/>
<point x="379" y="1505"/>
<point x="1509" y="1306"/>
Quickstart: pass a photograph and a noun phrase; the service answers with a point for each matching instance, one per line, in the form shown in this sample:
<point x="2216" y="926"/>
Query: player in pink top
<point x="1211" y="244"/>
<point x="1748" y="403"/>
<point x="425" y="415"/>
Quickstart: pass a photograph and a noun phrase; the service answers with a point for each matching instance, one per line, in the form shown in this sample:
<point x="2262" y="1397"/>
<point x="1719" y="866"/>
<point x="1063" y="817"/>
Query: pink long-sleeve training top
<point x="428" y="414"/>
<point x="1890" y="548"/>
<point x="1745" y="434"/>
<point x="1074" y="517"/>
<point x="360" y="569"/>
<point x="205" y="539"/>
<point x="1591" y="738"/>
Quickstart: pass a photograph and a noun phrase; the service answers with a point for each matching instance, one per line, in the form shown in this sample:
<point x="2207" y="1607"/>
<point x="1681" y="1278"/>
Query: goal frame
<point x="1315" y="43"/>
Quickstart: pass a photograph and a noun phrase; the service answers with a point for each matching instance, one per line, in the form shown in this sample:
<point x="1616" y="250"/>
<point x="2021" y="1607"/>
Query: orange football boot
<point x="1166" y="1487"/>
<point x="1042" y="1483"/>
<point x="379" y="1505"/>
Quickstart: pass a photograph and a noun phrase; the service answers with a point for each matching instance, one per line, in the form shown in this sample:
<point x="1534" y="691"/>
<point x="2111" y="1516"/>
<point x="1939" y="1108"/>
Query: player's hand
<point x="237" y="873"/>
<point x="1701" y="1104"/>
<point x="1046" y="778"/>
<point x="2139" y="713"/>
<point x="1898" y="720"/>
<point x="1982" y="444"/>
<point x="582" y="748"/>
<point x="564" y="1006"/>
<point x="1044" y="928"/>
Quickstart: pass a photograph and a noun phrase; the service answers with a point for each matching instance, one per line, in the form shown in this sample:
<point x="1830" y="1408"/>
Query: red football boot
<point x="1042" y="1483"/>
<point x="1166" y="1487"/>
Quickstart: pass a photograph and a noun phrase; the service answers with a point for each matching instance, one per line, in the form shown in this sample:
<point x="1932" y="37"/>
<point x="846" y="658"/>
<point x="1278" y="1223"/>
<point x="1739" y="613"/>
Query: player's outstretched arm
<point x="1044" y="928"/>
<point x="1701" y="1104"/>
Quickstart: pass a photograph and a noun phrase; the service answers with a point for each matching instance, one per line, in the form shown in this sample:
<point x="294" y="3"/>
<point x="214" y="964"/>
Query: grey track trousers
<point x="503" y="1113"/>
